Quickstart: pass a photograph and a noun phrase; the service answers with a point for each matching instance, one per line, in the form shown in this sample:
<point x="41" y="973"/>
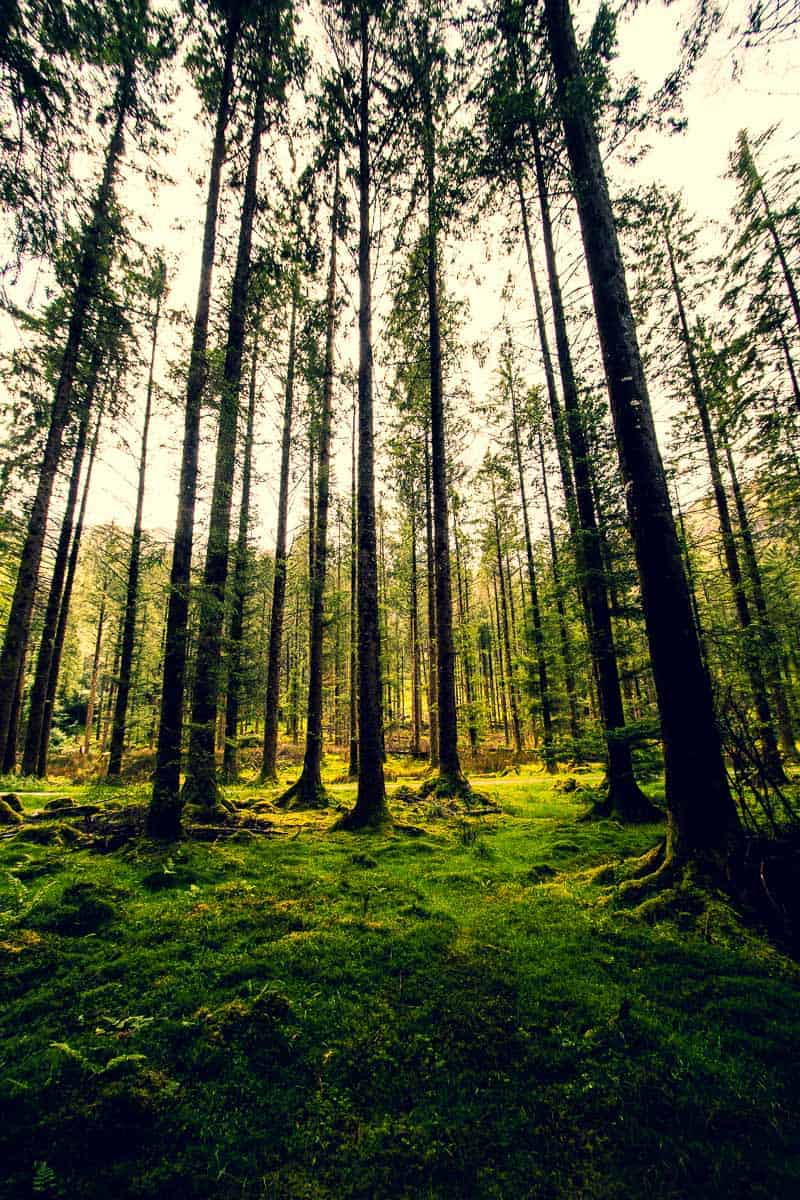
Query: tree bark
<point x="506" y="636"/>
<point x="352" y="766"/>
<point x="38" y="697"/>
<point x="164" y="817"/>
<point x="752" y="664"/>
<point x="563" y="632"/>
<point x="201" y="786"/>
<point x="272" y="699"/>
<point x="92" y="262"/>
<point x="450" y="773"/>
<point x="370" y="809"/>
<point x="625" y="800"/>
<point x="707" y="830"/>
<point x="230" y="761"/>
<point x="548" y="753"/>
<point x="131" y="593"/>
<point x="433" y="690"/>
<point x="308" y="790"/>
<point x="767" y="636"/>
<point x="416" y="699"/>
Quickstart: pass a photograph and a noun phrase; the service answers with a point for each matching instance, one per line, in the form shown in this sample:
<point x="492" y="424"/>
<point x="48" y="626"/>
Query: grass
<point x="459" y="1013"/>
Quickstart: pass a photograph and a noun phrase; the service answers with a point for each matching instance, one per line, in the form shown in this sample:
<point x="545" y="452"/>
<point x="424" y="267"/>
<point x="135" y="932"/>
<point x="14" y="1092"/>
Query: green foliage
<point x="456" y="1014"/>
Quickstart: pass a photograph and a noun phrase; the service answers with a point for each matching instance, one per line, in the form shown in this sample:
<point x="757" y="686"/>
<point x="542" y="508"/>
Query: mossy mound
<point x="8" y="814"/>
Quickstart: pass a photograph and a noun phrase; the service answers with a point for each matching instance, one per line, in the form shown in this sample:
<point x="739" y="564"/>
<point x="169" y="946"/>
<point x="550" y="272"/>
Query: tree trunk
<point x="352" y="766"/>
<point x="624" y="800"/>
<point x="93" y="260"/>
<point x="506" y="636"/>
<point x="164" y="817"/>
<point x="38" y="698"/>
<point x="752" y="663"/>
<point x="308" y="790"/>
<point x="450" y="773"/>
<point x="433" y="690"/>
<point x="563" y="632"/>
<point x="767" y="636"/>
<point x="230" y="760"/>
<point x="705" y="830"/>
<point x="98" y="644"/>
<point x="272" y="700"/>
<point x="548" y="752"/>
<point x="129" y="623"/>
<point x="370" y="810"/>
<point x="466" y="651"/>
<point x="201" y="786"/>
<point x="416" y="699"/>
<point x="66" y="598"/>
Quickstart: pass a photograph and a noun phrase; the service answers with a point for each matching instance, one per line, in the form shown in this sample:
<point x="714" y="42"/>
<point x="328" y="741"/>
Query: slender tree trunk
<point x="98" y="644"/>
<point x="416" y="699"/>
<point x="506" y="635"/>
<point x="450" y="773"/>
<point x="706" y="829"/>
<point x="10" y="757"/>
<point x="433" y="691"/>
<point x="767" y="636"/>
<point x="780" y="252"/>
<point x="684" y="541"/>
<point x="352" y="766"/>
<point x="131" y="594"/>
<point x="93" y="259"/>
<point x="562" y="449"/>
<point x="272" y="700"/>
<point x="230" y="761"/>
<point x="308" y="789"/>
<point x="164" y="816"/>
<point x="624" y="799"/>
<point x="466" y="654"/>
<point x="38" y="699"/>
<point x="66" y="598"/>
<point x="500" y="674"/>
<point x="370" y="809"/>
<point x="752" y="663"/>
<point x="536" y="616"/>
<point x="201" y="786"/>
<point x="790" y="367"/>
<point x="558" y="586"/>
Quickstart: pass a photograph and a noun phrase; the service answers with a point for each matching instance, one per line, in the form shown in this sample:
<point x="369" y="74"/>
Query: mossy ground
<point x="458" y="1013"/>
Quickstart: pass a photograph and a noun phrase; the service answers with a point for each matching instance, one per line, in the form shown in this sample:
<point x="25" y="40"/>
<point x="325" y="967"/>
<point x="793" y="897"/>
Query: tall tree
<point x="164" y="814"/>
<point x="201" y="788"/>
<point x="308" y="790"/>
<point x="128" y="48"/>
<point x="156" y="287"/>
<point x="366" y="27"/>
<point x="704" y="831"/>
<point x="268" y="766"/>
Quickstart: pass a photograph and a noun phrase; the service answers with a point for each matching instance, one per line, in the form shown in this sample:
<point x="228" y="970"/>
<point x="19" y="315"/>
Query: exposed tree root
<point x="356" y="822"/>
<point x="304" y="793"/>
<point x="627" y="804"/>
<point x="455" y="788"/>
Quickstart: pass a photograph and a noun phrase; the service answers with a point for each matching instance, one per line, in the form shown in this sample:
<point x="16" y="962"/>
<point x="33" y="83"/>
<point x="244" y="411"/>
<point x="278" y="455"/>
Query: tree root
<point x="630" y="806"/>
<point x="353" y="822"/>
<point x="304" y="793"/>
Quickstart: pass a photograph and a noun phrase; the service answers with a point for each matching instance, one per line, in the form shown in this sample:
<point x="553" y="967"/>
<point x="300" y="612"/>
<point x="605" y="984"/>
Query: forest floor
<point x="454" y="1010"/>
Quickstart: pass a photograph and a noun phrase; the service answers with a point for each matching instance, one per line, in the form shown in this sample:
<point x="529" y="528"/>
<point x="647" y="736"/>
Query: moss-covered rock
<point x="9" y="815"/>
<point x="13" y="801"/>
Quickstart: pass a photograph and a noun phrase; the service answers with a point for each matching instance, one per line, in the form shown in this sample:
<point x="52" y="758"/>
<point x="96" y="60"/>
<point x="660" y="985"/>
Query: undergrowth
<point x="459" y="1013"/>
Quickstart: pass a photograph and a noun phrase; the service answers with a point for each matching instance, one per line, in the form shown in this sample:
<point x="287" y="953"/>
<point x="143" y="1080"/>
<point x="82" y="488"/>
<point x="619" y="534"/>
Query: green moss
<point x="453" y="1015"/>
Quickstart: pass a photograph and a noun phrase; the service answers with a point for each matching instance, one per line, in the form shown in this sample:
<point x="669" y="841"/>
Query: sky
<point x="764" y="92"/>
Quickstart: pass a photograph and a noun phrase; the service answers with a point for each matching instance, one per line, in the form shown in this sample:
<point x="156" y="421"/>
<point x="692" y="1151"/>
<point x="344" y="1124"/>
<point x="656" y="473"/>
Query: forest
<point x="399" y="599"/>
